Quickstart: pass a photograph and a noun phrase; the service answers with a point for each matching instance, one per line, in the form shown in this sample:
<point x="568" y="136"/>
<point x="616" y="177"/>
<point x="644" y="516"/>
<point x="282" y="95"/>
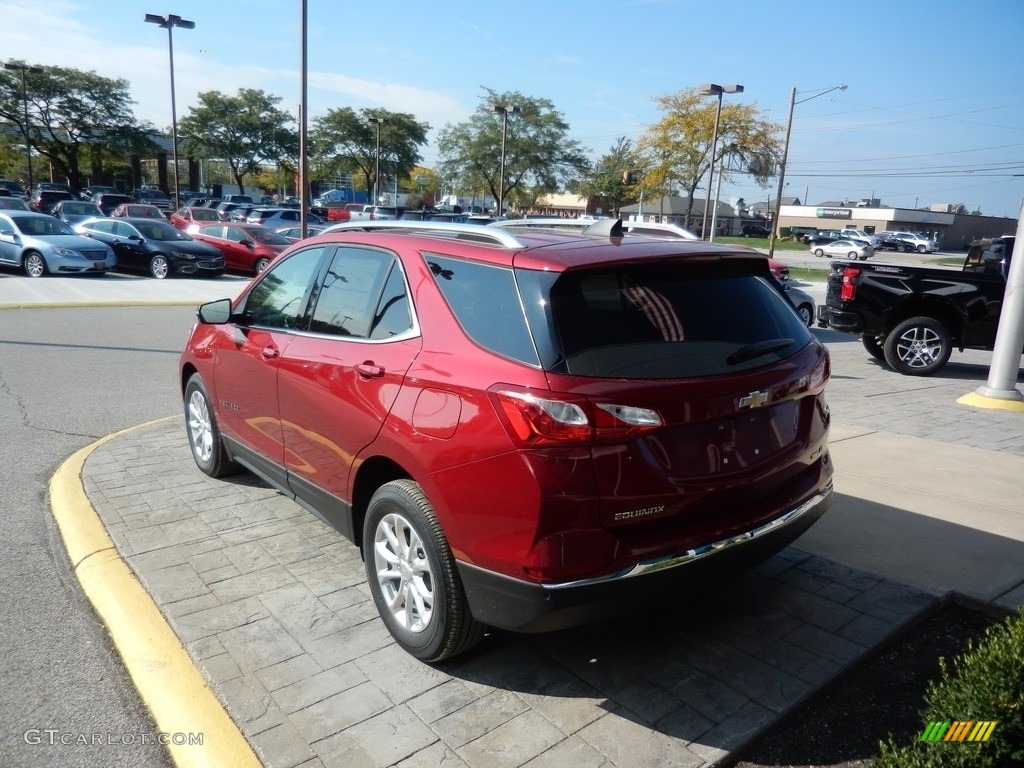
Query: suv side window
<point x="279" y="298"/>
<point x="363" y="296"/>
<point x="485" y="301"/>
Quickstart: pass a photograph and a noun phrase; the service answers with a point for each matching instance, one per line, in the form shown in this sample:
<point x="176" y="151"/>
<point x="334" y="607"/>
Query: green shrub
<point x="985" y="683"/>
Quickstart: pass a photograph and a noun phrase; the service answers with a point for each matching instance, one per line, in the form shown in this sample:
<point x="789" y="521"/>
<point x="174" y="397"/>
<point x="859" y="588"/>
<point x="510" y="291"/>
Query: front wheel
<point x="34" y="265"/>
<point x="412" y="575"/>
<point x="806" y="312"/>
<point x="818" y="252"/>
<point x="918" y="347"/>
<point x="922" y="249"/>
<point x="203" y="433"/>
<point x="158" y="267"/>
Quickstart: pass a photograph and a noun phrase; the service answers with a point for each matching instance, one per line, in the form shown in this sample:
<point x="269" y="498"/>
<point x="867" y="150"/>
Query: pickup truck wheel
<point x="818" y="252"/>
<point x="412" y="575"/>
<point x="873" y="344"/>
<point x="918" y="347"/>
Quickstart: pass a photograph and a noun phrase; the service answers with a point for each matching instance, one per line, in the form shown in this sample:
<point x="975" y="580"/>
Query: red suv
<point x="519" y="429"/>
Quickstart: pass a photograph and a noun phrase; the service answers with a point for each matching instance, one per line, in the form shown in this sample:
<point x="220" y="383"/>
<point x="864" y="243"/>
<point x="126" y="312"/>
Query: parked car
<point x="276" y="218"/>
<point x="147" y="245"/>
<point x="152" y="196"/>
<point x="859" y="234"/>
<point x="224" y="209"/>
<point x="189" y="218"/>
<point x="802" y="302"/>
<point x="43" y="200"/>
<point x="844" y="249"/>
<point x="921" y="243"/>
<point x="38" y="244"/>
<point x="12" y="187"/>
<point x="108" y="202"/>
<point x="386" y="212"/>
<point x="245" y="247"/>
<point x="72" y="212"/>
<point x="755" y="230"/>
<point x="890" y="242"/>
<point x="13" y="204"/>
<point x="519" y="428"/>
<point x="88" y="193"/>
<point x="138" y="211"/>
<point x="294" y="234"/>
<point x="823" y="236"/>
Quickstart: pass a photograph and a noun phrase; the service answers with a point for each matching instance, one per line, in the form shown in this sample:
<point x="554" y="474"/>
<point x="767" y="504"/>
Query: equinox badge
<point x="754" y="400"/>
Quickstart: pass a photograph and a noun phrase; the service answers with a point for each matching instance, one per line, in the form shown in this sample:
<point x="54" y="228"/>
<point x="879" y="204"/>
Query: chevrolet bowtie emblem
<point x="754" y="400"/>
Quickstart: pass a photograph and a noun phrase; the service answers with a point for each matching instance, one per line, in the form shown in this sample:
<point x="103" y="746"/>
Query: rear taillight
<point x="545" y="419"/>
<point x="849" y="288"/>
<point x="820" y="374"/>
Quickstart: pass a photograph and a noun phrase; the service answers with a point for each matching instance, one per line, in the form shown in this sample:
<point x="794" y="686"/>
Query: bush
<point x="985" y="683"/>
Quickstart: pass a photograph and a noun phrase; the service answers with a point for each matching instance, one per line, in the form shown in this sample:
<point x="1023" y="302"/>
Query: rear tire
<point x="261" y="265"/>
<point x="806" y="312"/>
<point x="874" y="346"/>
<point x="918" y="346"/>
<point x="413" y="577"/>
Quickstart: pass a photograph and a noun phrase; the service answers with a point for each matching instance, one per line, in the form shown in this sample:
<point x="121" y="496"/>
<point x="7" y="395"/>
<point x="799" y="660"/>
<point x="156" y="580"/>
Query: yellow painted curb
<point x="994" y="403"/>
<point x="165" y="676"/>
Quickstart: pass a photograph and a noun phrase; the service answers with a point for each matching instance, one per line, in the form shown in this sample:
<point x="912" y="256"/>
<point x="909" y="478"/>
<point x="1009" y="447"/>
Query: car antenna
<point x="605" y="228"/>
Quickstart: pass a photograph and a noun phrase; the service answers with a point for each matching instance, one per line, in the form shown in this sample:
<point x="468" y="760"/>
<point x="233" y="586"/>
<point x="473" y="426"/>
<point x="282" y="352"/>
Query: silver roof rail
<point x="484" y="234"/>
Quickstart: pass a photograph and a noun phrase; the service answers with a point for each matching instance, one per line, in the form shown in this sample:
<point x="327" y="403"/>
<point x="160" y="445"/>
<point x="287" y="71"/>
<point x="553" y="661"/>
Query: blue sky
<point x="933" y="112"/>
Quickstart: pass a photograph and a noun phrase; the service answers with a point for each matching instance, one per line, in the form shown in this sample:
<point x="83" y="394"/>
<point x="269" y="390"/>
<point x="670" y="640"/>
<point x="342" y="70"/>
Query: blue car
<point x="39" y="244"/>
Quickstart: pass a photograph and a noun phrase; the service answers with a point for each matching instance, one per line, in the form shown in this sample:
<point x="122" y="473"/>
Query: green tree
<point x="74" y="117"/>
<point x="678" y="147"/>
<point x="242" y="130"/>
<point x="540" y="158"/>
<point x="606" y="183"/>
<point x="345" y="141"/>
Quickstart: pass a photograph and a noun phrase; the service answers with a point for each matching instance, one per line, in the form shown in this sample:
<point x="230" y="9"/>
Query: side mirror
<point x="6" y="231"/>
<point x="215" y="312"/>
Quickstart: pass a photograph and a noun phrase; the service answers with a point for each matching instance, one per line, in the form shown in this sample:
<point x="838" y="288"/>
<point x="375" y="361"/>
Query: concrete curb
<point x="166" y="678"/>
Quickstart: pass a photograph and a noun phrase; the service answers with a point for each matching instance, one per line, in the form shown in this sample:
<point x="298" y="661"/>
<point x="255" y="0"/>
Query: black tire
<point x="159" y="267"/>
<point x="806" y="312"/>
<point x="874" y="346"/>
<point x="261" y="264"/>
<point x="413" y="577"/>
<point x="33" y="264"/>
<point x="918" y="346"/>
<point x="203" y="433"/>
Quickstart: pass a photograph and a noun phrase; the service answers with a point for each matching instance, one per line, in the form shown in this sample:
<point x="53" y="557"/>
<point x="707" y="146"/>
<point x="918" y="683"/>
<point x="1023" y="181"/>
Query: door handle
<point x="269" y="352"/>
<point x="370" y="370"/>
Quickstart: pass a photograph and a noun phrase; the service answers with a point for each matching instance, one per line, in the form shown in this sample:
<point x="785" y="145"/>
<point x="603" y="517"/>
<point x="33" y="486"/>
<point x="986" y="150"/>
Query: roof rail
<point x="484" y="234"/>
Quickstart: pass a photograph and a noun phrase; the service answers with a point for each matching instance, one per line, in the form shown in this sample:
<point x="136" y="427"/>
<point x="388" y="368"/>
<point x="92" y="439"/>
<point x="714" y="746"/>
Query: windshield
<point x="40" y="226"/>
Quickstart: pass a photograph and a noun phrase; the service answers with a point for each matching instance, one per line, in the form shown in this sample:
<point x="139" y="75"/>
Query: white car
<point x="848" y="248"/>
<point x="921" y="243"/>
<point x="860" y="234"/>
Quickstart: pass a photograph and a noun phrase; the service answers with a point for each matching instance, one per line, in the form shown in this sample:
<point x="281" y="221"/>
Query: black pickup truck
<point x="913" y="317"/>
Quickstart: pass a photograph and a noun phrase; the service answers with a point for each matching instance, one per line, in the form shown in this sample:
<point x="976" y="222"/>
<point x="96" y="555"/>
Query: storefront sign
<point x="834" y="213"/>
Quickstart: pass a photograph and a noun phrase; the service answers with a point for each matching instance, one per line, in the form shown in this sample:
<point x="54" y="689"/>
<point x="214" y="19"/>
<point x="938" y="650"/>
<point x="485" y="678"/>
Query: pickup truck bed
<point x="913" y="317"/>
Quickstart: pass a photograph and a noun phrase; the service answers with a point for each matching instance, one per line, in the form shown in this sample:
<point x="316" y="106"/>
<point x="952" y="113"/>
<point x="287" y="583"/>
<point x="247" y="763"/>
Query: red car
<point x="523" y="429"/>
<point x="189" y="218"/>
<point x="246" y="247"/>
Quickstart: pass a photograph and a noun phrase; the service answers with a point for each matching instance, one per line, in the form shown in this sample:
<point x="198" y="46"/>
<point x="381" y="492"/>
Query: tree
<point x="609" y="181"/>
<point x="345" y="141"/>
<point x="72" y="116"/>
<point x="678" y="147"/>
<point x="241" y="130"/>
<point x="539" y="156"/>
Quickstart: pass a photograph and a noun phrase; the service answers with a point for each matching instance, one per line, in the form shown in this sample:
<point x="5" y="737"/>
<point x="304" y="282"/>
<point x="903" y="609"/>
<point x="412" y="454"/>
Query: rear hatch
<point x="711" y="389"/>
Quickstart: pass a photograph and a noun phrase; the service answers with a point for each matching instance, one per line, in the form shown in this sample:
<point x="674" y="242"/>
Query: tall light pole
<point x="169" y="22"/>
<point x="378" y="121"/>
<point x="785" y="156"/>
<point x="709" y="89"/>
<point x="24" y="101"/>
<point x="303" y="119"/>
<point x="504" y="110"/>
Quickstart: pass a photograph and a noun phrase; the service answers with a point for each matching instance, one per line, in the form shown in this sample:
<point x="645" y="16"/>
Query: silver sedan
<point x="39" y="244"/>
<point x="847" y="248"/>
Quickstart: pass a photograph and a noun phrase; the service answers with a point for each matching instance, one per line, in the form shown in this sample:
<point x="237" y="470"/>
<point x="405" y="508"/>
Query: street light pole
<point x="785" y="156"/>
<point x="504" y="111"/>
<point x="707" y="90"/>
<point x="378" y="121"/>
<point x="303" y="118"/>
<point x="24" y="100"/>
<point x="169" y="22"/>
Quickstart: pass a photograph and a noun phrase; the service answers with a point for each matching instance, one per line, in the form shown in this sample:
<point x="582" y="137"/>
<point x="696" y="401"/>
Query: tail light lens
<point x="849" y="288"/>
<point x="544" y="419"/>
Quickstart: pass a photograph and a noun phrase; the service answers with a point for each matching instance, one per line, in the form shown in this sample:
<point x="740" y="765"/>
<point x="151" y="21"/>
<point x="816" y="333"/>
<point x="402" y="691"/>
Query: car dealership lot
<point x="273" y="607"/>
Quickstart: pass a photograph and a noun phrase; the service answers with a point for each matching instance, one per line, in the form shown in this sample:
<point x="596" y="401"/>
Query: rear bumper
<point x="501" y="601"/>
<point x="838" y="320"/>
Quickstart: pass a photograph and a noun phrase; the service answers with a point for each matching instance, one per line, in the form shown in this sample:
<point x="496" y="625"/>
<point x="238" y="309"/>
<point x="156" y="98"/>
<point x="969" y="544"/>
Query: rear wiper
<point x="750" y="351"/>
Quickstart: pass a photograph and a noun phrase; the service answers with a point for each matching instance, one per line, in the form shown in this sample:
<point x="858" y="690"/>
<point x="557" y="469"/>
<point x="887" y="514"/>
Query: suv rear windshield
<point x="664" y="321"/>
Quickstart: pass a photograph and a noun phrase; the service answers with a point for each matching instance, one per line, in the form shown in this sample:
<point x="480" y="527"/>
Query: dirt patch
<point x="841" y="725"/>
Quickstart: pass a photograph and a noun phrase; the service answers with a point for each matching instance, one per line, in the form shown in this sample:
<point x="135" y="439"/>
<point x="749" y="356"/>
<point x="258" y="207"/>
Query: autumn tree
<point x="74" y="118"/>
<point x="244" y="131"/>
<point x="540" y="158"/>
<point x="345" y="141"/>
<point x="677" y="149"/>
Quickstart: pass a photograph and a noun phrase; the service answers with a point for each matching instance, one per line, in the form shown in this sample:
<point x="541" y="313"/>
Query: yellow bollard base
<point x="981" y="401"/>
